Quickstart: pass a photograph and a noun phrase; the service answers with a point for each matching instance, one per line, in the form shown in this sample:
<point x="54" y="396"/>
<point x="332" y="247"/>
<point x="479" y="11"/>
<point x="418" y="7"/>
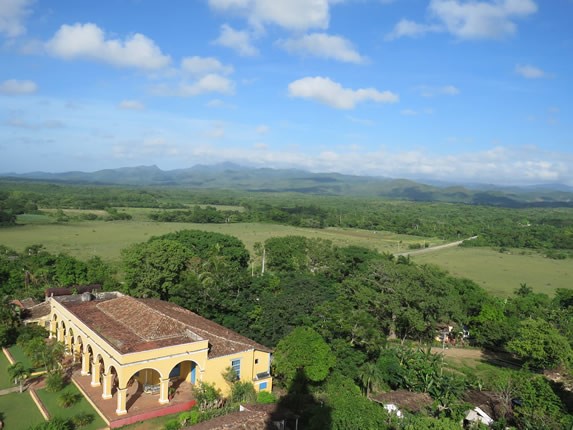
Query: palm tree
<point x="19" y="373"/>
<point x="370" y="376"/>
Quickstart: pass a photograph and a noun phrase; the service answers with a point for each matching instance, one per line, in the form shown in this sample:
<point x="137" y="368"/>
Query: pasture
<point x="502" y="273"/>
<point x="84" y="239"/>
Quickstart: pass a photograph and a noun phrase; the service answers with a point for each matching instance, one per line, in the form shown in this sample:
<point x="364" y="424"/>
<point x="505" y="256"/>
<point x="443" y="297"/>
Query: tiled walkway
<point x="137" y="401"/>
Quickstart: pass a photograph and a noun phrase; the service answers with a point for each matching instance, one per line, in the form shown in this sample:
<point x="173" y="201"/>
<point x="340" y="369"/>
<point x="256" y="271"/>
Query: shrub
<point x="55" y="381"/>
<point x="189" y="418"/>
<point x="172" y="424"/>
<point x="82" y="419"/>
<point x="265" y="397"/>
<point x="68" y="399"/>
<point x="243" y="392"/>
<point x="206" y="394"/>
<point x="56" y="423"/>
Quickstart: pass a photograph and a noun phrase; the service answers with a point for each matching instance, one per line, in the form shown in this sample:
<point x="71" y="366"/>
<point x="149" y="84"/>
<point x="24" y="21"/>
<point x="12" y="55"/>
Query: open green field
<point x="19" y="355"/>
<point x="502" y="273"/>
<point x="50" y="401"/>
<point x="84" y="239"/>
<point x="19" y="411"/>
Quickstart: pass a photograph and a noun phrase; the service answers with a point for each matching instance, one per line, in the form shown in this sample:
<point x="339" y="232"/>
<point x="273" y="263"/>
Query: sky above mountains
<point x="452" y="90"/>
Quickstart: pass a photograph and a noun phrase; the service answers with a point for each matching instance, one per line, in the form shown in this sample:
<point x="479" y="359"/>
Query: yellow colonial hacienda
<point x="121" y="341"/>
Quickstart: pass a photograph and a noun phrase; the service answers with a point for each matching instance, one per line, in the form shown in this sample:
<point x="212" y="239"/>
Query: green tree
<point x="19" y="373"/>
<point x="347" y="409"/>
<point x="303" y="350"/>
<point x="153" y="269"/>
<point x="540" y="345"/>
<point x="370" y="377"/>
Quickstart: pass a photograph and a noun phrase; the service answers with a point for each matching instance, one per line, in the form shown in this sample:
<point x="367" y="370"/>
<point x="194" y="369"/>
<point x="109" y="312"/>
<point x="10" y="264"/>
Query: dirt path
<point x="434" y="248"/>
<point x="476" y="354"/>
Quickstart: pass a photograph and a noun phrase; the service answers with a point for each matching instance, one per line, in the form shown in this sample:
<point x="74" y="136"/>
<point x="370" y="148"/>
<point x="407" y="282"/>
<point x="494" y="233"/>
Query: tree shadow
<point x="300" y="409"/>
<point x="501" y="359"/>
<point x="564" y="394"/>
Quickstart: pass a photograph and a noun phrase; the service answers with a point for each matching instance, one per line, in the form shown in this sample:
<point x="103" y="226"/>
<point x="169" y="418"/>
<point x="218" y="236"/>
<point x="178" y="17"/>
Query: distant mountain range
<point x="236" y="177"/>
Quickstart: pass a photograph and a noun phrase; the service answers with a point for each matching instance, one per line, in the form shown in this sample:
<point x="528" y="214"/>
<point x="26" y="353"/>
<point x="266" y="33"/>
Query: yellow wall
<point x="217" y="366"/>
<point x="163" y="360"/>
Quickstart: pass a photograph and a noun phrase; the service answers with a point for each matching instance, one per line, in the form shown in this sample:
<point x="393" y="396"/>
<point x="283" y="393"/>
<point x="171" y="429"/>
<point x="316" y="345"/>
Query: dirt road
<point x="434" y="248"/>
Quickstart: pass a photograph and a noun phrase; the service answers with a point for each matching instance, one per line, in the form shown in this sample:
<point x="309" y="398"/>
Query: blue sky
<point x="455" y="90"/>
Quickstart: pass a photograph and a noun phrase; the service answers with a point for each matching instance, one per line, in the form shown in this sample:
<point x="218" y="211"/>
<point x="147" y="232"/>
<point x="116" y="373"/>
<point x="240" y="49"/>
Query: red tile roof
<point x="132" y="325"/>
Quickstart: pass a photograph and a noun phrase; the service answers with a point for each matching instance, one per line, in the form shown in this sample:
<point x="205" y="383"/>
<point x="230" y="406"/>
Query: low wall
<point x="175" y="409"/>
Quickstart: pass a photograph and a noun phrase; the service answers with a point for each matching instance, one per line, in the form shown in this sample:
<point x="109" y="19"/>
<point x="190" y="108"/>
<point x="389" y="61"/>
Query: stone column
<point x="52" y="329"/>
<point x="77" y="350"/>
<point x="60" y="336"/>
<point x="164" y="391"/>
<point x="68" y="343"/>
<point x="121" y="401"/>
<point x="107" y="381"/>
<point x="85" y="363"/>
<point x="96" y="367"/>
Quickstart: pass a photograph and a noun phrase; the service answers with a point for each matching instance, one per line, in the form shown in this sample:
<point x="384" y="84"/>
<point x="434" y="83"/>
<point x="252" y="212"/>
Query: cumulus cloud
<point x="289" y="14"/>
<point x="430" y="91"/>
<point x="239" y="41"/>
<point x="131" y="105"/>
<point x="88" y="41"/>
<point x="485" y="19"/>
<point x="323" y="45"/>
<point x="407" y="28"/>
<point x="12" y="16"/>
<point x="14" y="87"/>
<point x="530" y="72"/>
<point x="331" y="93"/>
<point x="200" y="66"/>
<point x="211" y="83"/>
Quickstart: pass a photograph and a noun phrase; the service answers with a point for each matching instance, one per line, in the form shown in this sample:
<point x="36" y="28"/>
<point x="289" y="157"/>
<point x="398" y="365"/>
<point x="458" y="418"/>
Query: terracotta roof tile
<point x="132" y="325"/>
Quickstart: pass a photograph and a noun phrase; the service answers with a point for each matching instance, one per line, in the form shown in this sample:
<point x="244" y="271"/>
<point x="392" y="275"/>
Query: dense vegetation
<point x="346" y="323"/>
<point x="549" y="230"/>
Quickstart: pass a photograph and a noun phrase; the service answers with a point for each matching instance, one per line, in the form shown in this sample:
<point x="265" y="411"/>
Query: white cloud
<point x="480" y="19"/>
<point x="14" y="87"/>
<point x="408" y="112"/>
<point x="200" y="66"/>
<point x="12" y="15"/>
<point x="88" y="41"/>
<point x="211" y="83"/>
<point x="530" y="72"/>
<point x="324" y="46"/>
<point x="22" y="123"/>
<point x="407" y="28"/>
<point x="239" y="41"/>
<point x="331" y="93"/>
<point x="131" y="105"/>
<point x="446" y="90"/>
<point x="289" y="14"/>
<point x="262" y="129"/>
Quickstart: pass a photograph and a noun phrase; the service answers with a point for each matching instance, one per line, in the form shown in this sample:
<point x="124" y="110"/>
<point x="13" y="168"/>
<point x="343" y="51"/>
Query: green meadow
<point x="84" y="239"/>
<point x="502" y="273"/>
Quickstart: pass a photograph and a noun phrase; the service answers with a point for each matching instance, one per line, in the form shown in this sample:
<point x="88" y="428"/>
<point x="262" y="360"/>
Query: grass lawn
<point x="19" y="355"/>
<point x="499" y="273"/>
<point x="106" y="239"/>
<point x="19" y="411"/>
<point x="5" y="381"/>
<point x="50" y="401"/>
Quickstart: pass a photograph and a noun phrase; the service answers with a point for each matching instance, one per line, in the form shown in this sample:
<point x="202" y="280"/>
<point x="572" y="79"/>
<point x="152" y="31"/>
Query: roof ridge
<point x="112" y="316"/>
<point x="161" y="314"/>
